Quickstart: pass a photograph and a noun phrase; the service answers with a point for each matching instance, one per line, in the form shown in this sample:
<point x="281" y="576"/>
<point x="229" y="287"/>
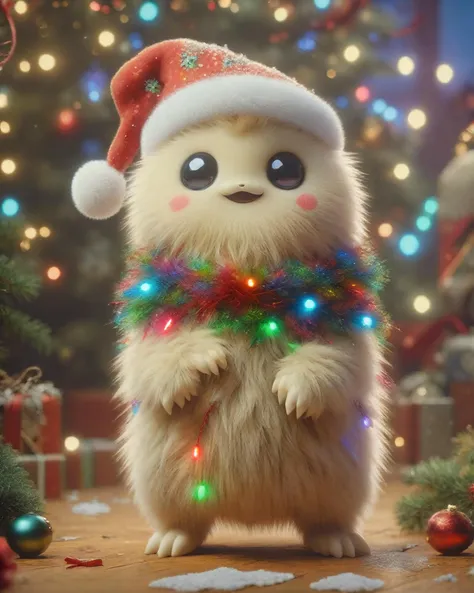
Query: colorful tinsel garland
<point x="303" y="299"/>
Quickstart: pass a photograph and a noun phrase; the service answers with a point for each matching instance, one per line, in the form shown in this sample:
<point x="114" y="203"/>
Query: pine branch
<point x="18" y="495"/>
<point x="19" y="325"/>
<point x="16" y="282"/>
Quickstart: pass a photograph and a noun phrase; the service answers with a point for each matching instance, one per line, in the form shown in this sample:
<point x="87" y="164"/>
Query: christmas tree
<point x="55" y="93"/>
<point x="439" y="482"/>
<point x="18" y="283"/>
<point x="18" y="495"/>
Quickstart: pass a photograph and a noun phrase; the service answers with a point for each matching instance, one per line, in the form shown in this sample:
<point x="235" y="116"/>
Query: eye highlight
<point x="285" y="171"/>
<point x="199" y="171"/>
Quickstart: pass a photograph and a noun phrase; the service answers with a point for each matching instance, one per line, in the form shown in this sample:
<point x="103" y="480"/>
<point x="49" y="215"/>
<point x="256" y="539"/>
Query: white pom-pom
<point x="456" y="187"/>
<point x="98" y="190"/>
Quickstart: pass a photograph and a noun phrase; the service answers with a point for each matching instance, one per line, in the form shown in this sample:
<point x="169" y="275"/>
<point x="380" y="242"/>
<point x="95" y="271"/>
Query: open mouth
<point x="243" y="197"/>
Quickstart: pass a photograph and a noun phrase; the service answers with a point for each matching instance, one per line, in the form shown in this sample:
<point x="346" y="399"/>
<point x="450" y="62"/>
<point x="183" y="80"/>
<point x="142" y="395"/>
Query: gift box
<point x="30" y="414"/>
<point x="423" y="428"/>
<point x="462" y="394"/>
<point x="92" y="414"/>
<point x="46" y="472"/>
<point x="458" y="354"/>
<point x="92" y="465"/>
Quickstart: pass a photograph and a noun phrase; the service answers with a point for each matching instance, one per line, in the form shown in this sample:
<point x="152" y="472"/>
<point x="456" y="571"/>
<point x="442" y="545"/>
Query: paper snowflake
<point x="153" y="86"/>
<point x="189" y="61"/>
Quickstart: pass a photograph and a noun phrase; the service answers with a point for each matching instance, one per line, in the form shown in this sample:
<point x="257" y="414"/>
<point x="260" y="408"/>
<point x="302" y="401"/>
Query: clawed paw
<point x="337" y="545"/>
<point x="172" y="543"/>
<point x="295" y="394"/>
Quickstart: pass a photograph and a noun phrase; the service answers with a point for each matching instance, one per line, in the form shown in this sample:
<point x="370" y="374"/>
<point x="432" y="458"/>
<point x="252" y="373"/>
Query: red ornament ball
<point x="450" y="532"/>
<point x="7" y="565"/>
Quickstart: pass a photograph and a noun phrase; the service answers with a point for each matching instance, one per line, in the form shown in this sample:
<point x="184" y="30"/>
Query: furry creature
<point x="285" y="445"/>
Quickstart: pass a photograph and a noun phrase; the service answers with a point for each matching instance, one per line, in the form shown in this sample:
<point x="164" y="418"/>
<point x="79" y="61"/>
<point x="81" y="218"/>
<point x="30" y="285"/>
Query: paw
<point x="207" y="362"/>
<point x="210" y="362"/>
<point x="295" y="393"/>
<point x="337" y="545"/>
<point x="172" y="543"/>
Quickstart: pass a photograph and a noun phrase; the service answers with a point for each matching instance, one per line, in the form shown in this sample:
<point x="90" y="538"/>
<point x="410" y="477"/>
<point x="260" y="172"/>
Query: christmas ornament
<point x="450" y="532"/>
<point x="7" y="565"/>
<point x="29" y="535"/>
<point x="301" y="300"/>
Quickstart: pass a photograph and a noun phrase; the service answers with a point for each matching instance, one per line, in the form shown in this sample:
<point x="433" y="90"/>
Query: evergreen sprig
<point x="18" y="284"/>
<point x="439" y="483"/>
<point x="18" y="494"/>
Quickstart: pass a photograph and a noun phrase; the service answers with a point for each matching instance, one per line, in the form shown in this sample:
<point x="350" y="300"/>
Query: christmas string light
<point x="299" y="300"/>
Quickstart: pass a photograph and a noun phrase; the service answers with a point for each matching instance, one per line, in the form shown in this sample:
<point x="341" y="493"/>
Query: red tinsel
<point x="74" y="562"/>
<point x="8" y="46"/>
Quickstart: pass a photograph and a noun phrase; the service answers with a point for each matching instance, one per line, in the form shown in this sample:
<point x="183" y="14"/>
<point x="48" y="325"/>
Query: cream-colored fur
<point x="285" y="444"/>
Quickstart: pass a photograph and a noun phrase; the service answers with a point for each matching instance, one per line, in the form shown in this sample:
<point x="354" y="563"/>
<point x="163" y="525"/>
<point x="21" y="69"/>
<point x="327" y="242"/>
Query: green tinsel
<point x="439" y="483"/>
<point x="18" y="495"/>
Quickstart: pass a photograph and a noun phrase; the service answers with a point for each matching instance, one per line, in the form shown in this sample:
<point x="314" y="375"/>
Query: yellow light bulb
<point x="106" y="38"/>
<point x="53" y="273"/>
<point x="45" y="232"/>
<point x="8" y="166"/>
<point x="399" y="442"/>
<point x="401" y="171"/>
<point x="416" y="119"/>
<point x="385" y="230"/>
<point x="352" y="53"/>
<point x="281" y="14"/>
<point x="21" y="7"/>
<point x="5" y="127"/>
<point x="24" y="66"/>
<point x="3" y="100"/>
<point x="30" y="233"/>
<point x="421" y="304"/>
<point x="406" y="66"/>
<point x="444" y="73"/>
<point x="71" y="444"/>
<point x="46" y="62"/>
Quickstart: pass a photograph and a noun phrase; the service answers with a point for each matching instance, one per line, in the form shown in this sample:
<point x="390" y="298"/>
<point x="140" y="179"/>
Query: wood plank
<point x="119" y="539"/>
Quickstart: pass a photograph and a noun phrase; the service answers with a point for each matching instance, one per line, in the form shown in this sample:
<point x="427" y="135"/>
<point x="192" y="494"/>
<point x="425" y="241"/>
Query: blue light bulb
<point x="390" y="114"/>
<point x="307" y="42"/>
<point x="10" y="207"/>
<point x="431" y="205"/>
<point x="409" y="245"/>
<point x="148" y="11"/>
<point x="310" y="304"/>
<point x="364" y="321"/>
<point x="322" y="4"/>
<point x="423" y="223"/>
<point x="379" y="106"/>
<point x="136" y="40"/>
<point x="94" y="96"/>
<point x="145" y="287"/>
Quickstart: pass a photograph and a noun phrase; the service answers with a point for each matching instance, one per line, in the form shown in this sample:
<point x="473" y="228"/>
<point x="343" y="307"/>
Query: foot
<point x="297" y="394"/>
<point x="172" y="543"/>
<point x="337" y="545"/>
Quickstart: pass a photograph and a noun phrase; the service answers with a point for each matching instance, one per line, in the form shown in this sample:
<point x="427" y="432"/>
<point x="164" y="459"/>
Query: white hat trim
<point x="235" y="94"/>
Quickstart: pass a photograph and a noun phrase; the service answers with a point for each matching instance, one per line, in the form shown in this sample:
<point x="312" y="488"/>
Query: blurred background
<point x="400" y="74"/>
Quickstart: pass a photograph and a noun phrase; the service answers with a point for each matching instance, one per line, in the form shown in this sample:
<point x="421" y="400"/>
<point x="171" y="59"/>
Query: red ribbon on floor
<point x="75" y="562"/>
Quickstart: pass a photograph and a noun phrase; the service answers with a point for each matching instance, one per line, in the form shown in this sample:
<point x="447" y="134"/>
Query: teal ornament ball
<point x="29" y="535"/>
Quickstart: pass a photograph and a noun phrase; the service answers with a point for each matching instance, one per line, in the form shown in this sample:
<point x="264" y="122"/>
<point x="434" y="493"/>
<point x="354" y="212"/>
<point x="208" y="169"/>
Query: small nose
<point x="241" y="184"/>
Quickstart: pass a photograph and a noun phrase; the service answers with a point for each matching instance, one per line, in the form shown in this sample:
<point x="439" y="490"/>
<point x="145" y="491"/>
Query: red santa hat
<point x="175" y="84"/>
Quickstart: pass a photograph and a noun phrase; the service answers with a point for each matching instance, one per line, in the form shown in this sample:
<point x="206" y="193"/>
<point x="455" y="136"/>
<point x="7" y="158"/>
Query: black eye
<point x="199" y="171"/>
<point x="285" y="170"/>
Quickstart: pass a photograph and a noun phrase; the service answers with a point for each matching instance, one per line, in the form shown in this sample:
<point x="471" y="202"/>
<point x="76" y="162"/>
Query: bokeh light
<point x="24" y="66"/>
<point x="31" y="233"/>
<point x="10" y="207"/>
<point x="53" y="273"/>
<point x="362" y="94"/>
<point x="416" y="119"/>
<point x="385" y="230"/>
<point x="148" y="11"/>
<point x="8" y="166"/>
<point x="431" y="205"/>
<point x="444" y="73"/>
<point x="106" y="38"/>
<point x="71" y="444"/>
<point x="409" y="244"/>
<point x="45" y="232"/>
<point x="421" y="304"/>
<point x="401" y="171"/>
<point x="281" y="14"/>
<point x="5" y="127"/>
<point x="423" y="223"/>
<point x="46" y="62"/>
<point x="351" y="53"/>
<point x="406" y="65"/>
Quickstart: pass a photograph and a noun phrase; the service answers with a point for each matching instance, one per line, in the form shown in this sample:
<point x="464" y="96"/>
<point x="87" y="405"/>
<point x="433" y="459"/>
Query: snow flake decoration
<point x="153" y="86"/>
<point x="347" y="582"/>
<point x="189" y="61"/>
<point x="446" y="578"/>
<point x="228" y="62"/>
<point x="223" y="579"/>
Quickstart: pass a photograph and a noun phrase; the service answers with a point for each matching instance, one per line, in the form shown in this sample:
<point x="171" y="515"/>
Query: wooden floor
<point x="119" y="539"/>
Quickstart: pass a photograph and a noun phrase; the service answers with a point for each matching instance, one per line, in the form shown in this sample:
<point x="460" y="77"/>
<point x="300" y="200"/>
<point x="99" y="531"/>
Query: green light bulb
<point x="201" y="492"/>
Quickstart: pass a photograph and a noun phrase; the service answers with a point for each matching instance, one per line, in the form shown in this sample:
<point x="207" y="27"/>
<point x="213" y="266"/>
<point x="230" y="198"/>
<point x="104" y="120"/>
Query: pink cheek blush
<point x="307" y="201"/>
<point x="178" y="203"/>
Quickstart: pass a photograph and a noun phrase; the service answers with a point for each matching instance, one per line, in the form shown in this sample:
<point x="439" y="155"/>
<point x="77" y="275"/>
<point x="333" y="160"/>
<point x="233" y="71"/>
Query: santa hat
<point x="179" y="83"/>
